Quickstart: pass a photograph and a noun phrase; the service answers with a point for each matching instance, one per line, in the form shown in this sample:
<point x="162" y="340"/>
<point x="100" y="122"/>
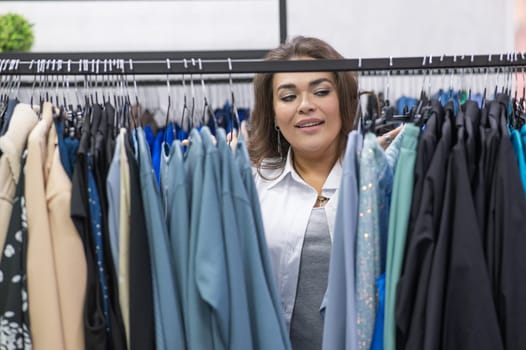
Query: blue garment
<point x="376" y="181"/>
<point x="519" y="154"/>
<point x="339" y="330"/>
<point x="169" y="134"/>
<point x="169" y="328"/>
<point x="256" y="231"/>
<point x="11" y="104"/>
<point x="450" y="95"/>
<point x="177" y="213"/>
<point x="378" y="336"/>
<point x="199" y="313"/>
<point x="67" y="148"/>
<point x="180" y="133"/>
<point x="96" y="227"/>
<point x="156" y="154"/>
<point x="477" y="98"/>
<point x="211" y="271"/>
<point x="240" y="272"/>
<point x="405" y="102"/>
<point x="150" y="137"/>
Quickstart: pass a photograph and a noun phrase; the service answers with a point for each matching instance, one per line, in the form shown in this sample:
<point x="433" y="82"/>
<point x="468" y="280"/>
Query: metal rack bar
<point x="148" y="63"/>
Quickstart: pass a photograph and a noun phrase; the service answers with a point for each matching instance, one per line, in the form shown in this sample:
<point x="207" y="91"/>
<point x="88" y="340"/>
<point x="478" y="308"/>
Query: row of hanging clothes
<point x="116" y="234"/>
<point x="115" y="201"/>
<point x="428" y="250"/>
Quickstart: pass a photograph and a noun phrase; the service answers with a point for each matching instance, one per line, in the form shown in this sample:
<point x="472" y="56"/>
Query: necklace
<point x="321" y="201"/>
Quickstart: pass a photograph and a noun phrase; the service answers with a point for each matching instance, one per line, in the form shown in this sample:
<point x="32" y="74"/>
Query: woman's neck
<point x="314" y="170"/>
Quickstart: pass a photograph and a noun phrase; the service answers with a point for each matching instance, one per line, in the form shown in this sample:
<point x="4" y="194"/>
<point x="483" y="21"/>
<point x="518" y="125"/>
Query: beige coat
<point x="42" y="281"/>
<point x="68" y="250"/>
<point x="12" y="144"/>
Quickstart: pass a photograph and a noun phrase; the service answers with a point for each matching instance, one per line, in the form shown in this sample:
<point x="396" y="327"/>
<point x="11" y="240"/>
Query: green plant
<point x="16" y="33"/>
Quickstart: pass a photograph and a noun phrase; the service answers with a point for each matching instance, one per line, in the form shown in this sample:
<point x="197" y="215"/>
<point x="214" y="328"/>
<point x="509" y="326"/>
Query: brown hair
<point x="263" y="140"/>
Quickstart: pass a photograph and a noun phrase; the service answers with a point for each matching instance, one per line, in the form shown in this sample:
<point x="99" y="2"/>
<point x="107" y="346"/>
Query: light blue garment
<point x="398" y="222"/>
<point x="177" y="213"/>
<point x="211" y="271"/>
<point x="339" y="330"/>
<point x="237" y="246"/>
<point x="519" y="155"/>
<point x="199" y="313"/>
<point x="393" y="150"/>
<point x="273" y="317"/>
<point x="169" y="328"/>
<point x="375" y="184"/>
<point x="378" y="337"/>
<point x="113" y="186"/>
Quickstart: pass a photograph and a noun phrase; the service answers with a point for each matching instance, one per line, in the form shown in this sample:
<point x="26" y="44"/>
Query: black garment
<point x="491" y="240"/>
<point x="488" y="137"/>
<point x="112" y="134"/>
<point x="460" y="312"/>
<point x="8" y="114"/>
<point x="412" y="286"/>
<point x="142" y="330"/>
<point x="100" y="168"/>
<point x="425" y="150"/>
<point x="94" y="328"/>
<point x="14" y="316"/>
<point x="509" y="230"/>
<point x="472" y="140"/>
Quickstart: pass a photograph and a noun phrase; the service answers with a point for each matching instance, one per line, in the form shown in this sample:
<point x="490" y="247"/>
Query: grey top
<point x="306" y="329"/>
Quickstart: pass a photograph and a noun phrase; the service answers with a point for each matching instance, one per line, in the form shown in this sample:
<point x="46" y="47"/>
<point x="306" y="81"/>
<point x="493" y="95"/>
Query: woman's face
<point x="307" y="111"/>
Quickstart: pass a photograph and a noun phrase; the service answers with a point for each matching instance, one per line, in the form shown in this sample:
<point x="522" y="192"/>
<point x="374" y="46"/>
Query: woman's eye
<point x="288" y="98"/>
<point x="322" y="92"/>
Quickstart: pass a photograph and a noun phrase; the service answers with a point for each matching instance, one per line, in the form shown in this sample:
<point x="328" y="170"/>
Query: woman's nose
<point x="306" y="104"/>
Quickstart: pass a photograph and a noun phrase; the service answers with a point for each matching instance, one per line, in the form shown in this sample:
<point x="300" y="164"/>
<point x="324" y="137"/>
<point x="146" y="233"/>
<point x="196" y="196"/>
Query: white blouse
<point x="286" y="204"/>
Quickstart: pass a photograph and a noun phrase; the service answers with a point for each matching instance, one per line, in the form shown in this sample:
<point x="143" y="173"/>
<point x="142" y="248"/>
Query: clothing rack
<point x="230" y="62"/>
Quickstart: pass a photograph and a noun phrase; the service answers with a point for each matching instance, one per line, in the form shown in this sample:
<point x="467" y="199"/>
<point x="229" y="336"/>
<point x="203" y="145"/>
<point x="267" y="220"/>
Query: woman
<point x="298" y="132"/>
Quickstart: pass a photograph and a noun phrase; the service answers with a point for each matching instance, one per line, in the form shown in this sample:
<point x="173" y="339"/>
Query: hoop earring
<point x="276" y="127"/>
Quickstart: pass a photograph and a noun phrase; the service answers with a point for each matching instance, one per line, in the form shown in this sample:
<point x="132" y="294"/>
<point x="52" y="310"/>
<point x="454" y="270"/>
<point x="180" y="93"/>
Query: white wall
<point x="358" y="28"/>
<point x="150" y="25"/>
<point x="383" y="28"/>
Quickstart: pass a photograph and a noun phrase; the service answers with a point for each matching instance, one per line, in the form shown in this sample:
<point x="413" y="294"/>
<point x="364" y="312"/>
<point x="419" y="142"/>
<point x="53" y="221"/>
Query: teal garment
<point x="212" y="277"/>
<point x="339" y="331"/>
<point x="237" y="243"/>
<point x="253" y="221"/>
<point x="199" y="318"/>
<point x="169" y="328"/>
<point x="375" y="185"/>
<point x="177" y="215"/>
<point x="519" y="154"/>
<point x="267" y="325"/>
<point x="398" y="222"/>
